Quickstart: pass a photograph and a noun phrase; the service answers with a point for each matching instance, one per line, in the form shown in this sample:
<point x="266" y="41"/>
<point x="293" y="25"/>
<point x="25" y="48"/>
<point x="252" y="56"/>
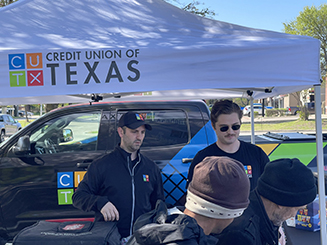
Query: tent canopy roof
<point x="126" y="46"/>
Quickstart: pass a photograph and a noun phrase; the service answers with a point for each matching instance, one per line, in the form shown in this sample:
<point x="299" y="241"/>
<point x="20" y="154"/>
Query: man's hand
<point x="109" y="212"/>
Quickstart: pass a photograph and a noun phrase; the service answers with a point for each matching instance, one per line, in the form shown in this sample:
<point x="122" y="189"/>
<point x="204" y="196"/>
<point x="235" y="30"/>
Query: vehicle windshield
<point x="50" y="127"/>
<point x="68" y="133"/>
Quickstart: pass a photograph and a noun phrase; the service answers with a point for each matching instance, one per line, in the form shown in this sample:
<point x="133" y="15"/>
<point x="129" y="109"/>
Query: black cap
<point x="133" y="120"/>
<point x="287" y="182"/>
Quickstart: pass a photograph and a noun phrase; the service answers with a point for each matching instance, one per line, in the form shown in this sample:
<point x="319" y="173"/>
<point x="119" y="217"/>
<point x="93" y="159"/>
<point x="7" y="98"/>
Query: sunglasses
<point x="234" y="127"/>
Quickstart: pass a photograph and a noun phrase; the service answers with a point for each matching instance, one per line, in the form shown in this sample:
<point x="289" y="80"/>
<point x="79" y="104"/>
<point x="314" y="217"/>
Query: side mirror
<point x="67" y="135"/>
<point x="23" y="145"/>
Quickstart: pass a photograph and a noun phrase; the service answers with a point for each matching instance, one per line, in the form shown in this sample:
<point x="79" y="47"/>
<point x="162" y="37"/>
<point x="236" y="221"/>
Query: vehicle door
<point x="38" y="183"/>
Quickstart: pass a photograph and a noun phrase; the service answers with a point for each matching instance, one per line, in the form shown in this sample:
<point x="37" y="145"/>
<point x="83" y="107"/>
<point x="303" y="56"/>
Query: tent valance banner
<point x="51" y="48"/>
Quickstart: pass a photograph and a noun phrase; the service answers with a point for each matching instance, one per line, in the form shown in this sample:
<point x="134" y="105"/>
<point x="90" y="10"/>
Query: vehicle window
<point x="10" y="119"/>
<point x="69" y="133"/>
<point x="169" y="127"/>
<point x="5" y="118"/>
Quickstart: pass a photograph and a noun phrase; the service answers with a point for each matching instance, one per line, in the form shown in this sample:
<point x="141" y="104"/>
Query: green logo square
<point x="17" y="78"/>
<point x="65" y="196"/>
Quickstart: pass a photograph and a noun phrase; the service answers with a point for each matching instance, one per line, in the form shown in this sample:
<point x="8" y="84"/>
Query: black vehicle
<point x="42" y="164"/>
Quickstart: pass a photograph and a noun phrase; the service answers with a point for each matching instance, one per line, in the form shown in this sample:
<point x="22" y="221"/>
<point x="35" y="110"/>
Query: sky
<point x="260" y="14"/>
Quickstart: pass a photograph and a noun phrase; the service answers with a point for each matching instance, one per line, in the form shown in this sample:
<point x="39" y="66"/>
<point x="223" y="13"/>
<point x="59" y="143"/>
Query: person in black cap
<point x="123" y="184"/>
<point x="285" y="186"/>
<point x="218" y="193"/>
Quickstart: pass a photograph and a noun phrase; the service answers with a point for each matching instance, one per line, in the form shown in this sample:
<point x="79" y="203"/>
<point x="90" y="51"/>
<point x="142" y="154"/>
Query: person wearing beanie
<point x="285" y="186"/>
<point x="218" y="193"/>
<point x="123" y="184"/>
<point x="226" y="121"/>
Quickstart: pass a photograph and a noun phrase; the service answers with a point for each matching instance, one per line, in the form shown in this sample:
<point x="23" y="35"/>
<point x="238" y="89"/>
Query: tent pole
<point x="320" y="164"/>
<point x="252" y="121"/>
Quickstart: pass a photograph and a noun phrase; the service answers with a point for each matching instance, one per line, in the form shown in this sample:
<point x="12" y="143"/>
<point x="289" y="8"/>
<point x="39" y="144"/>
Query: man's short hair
<point x="224" y="107"/>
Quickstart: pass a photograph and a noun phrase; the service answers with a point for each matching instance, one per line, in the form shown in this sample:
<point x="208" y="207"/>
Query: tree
<point x="312" y="21"/>
<point x="193" y="8"/>
<point x="300" y="97"/>
<point x="6" y="2"/>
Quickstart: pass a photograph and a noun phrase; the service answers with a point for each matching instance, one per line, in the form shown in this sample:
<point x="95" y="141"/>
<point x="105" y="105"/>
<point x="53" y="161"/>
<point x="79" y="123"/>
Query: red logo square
<point x="35" y="78"/>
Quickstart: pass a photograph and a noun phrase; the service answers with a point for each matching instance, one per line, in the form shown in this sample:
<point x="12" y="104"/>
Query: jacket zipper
<point x="133" y="190"/>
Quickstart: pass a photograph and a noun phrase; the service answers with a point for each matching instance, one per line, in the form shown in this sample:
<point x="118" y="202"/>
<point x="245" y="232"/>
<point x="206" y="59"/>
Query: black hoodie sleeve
<point x="85" y="197"/>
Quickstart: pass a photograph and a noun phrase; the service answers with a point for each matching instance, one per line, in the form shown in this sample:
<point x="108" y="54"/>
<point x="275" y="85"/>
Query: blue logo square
<point x="16" y="61"/>
<point x="65" y="179"/>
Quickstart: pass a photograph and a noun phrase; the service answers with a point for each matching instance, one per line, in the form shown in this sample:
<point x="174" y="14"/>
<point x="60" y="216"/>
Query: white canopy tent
<point x="106" y="46"/>
<point x="52" y="51"/>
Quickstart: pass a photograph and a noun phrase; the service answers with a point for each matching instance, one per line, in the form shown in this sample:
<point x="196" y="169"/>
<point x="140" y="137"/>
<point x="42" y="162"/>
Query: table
<point x="301" y="237"/>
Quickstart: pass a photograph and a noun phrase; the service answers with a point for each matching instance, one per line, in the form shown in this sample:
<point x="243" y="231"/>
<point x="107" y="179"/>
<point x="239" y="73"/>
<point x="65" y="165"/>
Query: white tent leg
<point x="320" y="165"/>
<point x="252" y="121"/>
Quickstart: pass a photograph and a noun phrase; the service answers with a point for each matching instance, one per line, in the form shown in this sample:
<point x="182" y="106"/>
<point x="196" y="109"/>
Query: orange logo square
<point x="78" y="176"/>
<point x="34" y="61"/>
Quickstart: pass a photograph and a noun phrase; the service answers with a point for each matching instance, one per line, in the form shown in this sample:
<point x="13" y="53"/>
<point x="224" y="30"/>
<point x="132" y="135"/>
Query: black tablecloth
<point x="301" y="237"/>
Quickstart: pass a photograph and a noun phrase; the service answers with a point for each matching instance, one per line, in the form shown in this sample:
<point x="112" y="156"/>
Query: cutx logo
<point x="66" y="183"/>
<point x="25" y="70"/>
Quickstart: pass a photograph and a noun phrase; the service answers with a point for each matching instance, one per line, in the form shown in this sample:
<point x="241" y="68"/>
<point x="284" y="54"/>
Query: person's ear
<point x="120" y="131"/>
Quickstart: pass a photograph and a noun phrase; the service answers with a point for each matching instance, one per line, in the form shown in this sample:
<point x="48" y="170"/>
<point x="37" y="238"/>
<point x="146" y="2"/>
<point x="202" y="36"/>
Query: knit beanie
<point x="219" y="188"/>
<point x="287" y="182"/>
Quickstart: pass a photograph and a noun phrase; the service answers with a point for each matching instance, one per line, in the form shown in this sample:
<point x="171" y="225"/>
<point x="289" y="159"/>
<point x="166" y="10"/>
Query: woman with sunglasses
<point x="226" y="121"/>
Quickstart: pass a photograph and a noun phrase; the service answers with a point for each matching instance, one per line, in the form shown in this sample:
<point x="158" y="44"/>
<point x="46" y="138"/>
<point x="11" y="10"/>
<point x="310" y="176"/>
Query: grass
<point x="24" y="122"/>
<point x="297" y="125"/>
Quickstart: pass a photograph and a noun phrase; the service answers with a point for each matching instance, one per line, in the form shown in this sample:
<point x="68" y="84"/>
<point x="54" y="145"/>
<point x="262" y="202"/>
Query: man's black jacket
<point x="133" y="190"/>
<point x="157" y="227"/>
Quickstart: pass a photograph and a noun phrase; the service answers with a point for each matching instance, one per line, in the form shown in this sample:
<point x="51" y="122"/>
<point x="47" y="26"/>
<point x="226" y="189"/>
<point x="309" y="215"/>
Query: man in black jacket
<point x="123" y="184"/>
<point x="285" y="186"/>
<point x="217" y="194"/>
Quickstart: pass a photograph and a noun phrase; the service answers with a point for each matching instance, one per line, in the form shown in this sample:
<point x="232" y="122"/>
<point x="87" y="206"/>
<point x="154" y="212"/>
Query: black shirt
<point x="251" y="156"/>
